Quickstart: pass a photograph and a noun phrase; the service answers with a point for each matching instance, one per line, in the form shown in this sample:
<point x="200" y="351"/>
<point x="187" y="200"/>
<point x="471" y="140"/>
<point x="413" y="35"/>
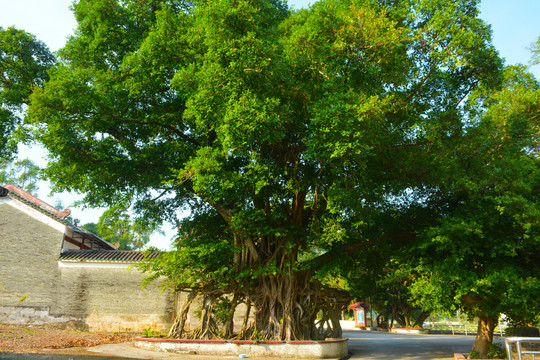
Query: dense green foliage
<point x="482" y="253"/>
<point x="24" y="61"/>
<point x="470" y="238"/>
<point x="305" y="144"/>
<point x="488" y="238"/>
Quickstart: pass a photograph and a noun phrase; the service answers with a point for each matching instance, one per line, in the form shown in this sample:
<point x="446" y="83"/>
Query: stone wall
<point x="111" y="298"/>
<point x="35" y="288"/>
<point x="29" y="249"/>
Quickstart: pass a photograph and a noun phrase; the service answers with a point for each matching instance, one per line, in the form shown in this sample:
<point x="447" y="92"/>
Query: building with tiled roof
<point x="75" y="237"/>
<point x="54" y="271"/>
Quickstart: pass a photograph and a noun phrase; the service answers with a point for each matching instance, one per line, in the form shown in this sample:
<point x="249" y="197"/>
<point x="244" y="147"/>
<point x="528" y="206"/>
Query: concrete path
<point x="371" y="345"/>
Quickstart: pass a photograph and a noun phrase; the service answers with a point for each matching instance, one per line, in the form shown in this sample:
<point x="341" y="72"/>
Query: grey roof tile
<point x="123" y="256"/>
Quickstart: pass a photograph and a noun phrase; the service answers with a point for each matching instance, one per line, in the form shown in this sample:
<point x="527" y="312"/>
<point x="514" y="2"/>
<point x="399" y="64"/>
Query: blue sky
<point x="515" y="25"/>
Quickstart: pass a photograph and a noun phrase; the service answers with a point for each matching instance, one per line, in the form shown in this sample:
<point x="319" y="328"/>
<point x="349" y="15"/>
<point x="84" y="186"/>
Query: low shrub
<point x="522" y="332"/>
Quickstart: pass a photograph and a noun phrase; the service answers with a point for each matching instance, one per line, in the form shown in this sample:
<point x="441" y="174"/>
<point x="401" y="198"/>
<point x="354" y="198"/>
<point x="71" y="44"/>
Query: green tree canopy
<point x="117" y="227"/>
<point x="470" y="239"/>
<point x="482" y="252"/>
<point x="23" y="173"/>
<point x="285" y="133"/>
<point x="536" y="52"/>
<point x="24" y="61"/>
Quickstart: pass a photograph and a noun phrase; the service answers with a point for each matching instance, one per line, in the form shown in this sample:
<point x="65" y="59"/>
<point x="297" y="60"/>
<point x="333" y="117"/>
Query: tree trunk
<point x="484" y="338"/>
<point x="394" y="315"/>
<point x="207" y="324"/>
<point x="244" y="330"/>
<point x="228" y="327"/>
<point x="419" y="323"/>
<point x="407" y="317"/>
<point x="179" y="322"/>
<point x="285" y="307"/>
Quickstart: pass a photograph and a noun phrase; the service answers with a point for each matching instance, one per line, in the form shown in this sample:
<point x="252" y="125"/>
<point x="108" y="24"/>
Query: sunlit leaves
<point x="24" y="62"/>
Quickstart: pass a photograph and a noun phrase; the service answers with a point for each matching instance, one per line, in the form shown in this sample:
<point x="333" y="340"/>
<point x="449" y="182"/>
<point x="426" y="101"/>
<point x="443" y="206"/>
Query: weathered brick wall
<point x="29" y="250"/>
<point x="112" y="299"/>
<point x="34" y="288"/>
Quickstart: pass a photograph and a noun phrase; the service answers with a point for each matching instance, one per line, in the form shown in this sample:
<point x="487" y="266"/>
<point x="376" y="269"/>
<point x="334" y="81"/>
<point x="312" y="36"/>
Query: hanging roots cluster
<point x="286" y="308"/>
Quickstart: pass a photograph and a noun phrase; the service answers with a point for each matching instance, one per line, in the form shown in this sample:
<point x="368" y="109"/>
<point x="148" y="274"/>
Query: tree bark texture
<point x="484" y="337"/>
<point x="177" y="328"/>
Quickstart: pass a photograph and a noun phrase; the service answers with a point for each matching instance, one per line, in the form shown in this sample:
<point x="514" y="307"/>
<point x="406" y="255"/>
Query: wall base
<point x="32" y="315"/>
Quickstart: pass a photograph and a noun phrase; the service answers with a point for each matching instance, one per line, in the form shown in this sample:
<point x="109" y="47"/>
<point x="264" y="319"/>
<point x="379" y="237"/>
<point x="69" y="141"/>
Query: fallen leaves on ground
<point x="38" y="338"/>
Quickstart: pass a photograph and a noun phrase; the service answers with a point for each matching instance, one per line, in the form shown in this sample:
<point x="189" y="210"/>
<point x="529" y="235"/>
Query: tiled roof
<point x="85" y="234"/>
<point x="359" y="305"/>
<point x="124" y="256"/>
<point x="33" y="204"/>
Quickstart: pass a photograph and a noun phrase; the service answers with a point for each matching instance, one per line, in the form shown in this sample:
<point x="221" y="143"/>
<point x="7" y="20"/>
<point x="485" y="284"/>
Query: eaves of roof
<point x="89" y="235"/>
<point x="36" y="205"/>
<point x="359" y="305"/>
<point x="122" y="256"/>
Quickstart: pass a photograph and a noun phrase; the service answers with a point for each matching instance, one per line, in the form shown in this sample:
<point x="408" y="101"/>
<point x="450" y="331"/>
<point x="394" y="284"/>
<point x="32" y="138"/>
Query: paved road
<point x="364" y="345"/>
<point x="368" y="345"/>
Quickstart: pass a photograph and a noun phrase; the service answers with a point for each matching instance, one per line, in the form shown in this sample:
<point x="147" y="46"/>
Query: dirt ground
<point x="43" y="338"/>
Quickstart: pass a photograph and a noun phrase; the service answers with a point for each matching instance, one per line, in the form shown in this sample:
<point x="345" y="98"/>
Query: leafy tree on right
<point x="469" y="236"/>
<point x="481" y="252"/>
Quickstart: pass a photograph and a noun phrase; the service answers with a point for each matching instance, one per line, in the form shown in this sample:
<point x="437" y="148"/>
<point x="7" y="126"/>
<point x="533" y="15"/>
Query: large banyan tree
<point x="281" y="131"/>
